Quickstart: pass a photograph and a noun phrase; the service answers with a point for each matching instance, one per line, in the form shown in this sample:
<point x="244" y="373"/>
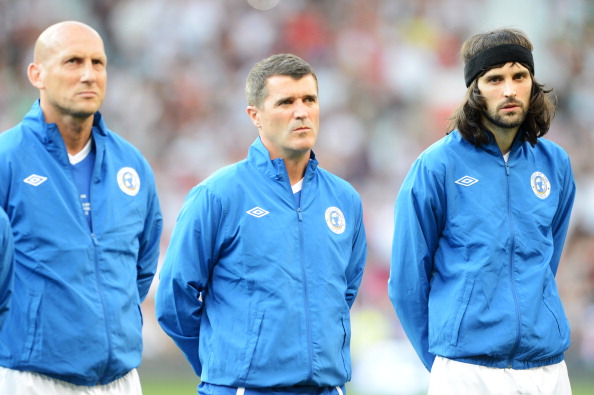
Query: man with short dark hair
<point x="267" y="255"/>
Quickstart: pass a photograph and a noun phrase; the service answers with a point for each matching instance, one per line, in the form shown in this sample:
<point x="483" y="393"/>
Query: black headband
<point x="496" y="55"/>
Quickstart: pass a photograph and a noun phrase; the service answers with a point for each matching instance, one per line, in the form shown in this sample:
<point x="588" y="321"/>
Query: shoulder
<point x="551" y="152"/>
<point x="225" y="182"/>
<point x="335" y="180"/>
<point x="227" y="176"/>
<point x="220" y="189"/>
<point x="444" y="151"/>
<point x="118" y="147"/>
<point x="547" y="145"/>
<point x="11" y="138"/>
<point x="115" y="141"/>
<point x="337" y="186"/>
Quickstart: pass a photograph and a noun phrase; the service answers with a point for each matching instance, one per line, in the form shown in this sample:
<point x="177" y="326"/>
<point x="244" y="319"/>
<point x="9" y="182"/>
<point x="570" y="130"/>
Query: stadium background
<point x="389" y="74"/>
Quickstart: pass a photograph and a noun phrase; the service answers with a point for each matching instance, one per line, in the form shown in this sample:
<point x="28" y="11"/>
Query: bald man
<point x="85" y="215"/>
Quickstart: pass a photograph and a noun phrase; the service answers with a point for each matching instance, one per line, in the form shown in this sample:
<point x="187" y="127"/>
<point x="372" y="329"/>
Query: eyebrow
<point x="492" y="74"/>
<point x="285" y="98"/>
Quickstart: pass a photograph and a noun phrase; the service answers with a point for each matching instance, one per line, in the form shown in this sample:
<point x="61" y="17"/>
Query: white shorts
<point x="450" y="377"/>
<point x="241" y="391"/>
<point x="18" y="382"/>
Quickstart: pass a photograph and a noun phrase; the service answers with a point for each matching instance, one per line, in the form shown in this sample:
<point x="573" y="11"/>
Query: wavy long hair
<point x="467" y="117"/>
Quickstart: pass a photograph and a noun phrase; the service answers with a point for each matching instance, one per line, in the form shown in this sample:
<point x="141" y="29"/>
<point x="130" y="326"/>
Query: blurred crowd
<point x="390" y="75"/>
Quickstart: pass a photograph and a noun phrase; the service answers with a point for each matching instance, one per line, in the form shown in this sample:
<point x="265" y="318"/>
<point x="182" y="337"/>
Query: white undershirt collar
<point x="297" y="186"/>
<point x="82" y="154"/>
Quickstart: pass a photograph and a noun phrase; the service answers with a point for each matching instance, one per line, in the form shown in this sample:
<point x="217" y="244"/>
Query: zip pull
<point x="506" y="169"/>
<point x="299" y="214"/>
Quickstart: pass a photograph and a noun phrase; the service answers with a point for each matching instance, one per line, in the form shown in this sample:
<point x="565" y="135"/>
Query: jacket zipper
<point x="304" y="274"/>
<point x="96" y="261"/>
<point x="102" y="298"/>
<point x="511" y="269"/>
<point x="305" y="294"/>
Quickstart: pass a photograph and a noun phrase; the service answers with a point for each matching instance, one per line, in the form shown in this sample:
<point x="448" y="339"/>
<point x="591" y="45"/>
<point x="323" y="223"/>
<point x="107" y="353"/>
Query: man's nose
<point x="509" y="89"/>
<point x="300" y="110"/>
<point x="88" y="72"/>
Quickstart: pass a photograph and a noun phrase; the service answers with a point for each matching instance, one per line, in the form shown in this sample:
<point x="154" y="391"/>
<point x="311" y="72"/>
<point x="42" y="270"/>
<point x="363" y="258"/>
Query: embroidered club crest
<point x="540" y="185"/>
<point x="335" y="220"/>
<point x="128" y="181"/>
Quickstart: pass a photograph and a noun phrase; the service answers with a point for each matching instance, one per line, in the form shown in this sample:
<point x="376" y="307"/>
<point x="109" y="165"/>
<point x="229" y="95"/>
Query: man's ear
<point x="254" y="115"/>
<point x="34" y="73"/>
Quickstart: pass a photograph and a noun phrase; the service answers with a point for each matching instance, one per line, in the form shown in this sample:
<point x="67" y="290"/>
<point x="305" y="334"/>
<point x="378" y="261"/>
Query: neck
<point x="76" y="131"/>
<point x="296" y="168"/>
<point x="76" y="135"/>
<point x="503" y="136"/>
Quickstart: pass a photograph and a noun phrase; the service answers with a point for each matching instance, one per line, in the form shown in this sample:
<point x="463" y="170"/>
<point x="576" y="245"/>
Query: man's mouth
<point x="511" y="106"/>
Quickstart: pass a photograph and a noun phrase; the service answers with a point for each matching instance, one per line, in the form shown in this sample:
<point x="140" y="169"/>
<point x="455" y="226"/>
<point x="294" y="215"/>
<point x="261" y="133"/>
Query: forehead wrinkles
<point x="288" y="87"/>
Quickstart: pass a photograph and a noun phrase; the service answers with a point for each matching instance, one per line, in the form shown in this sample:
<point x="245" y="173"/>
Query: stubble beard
<point x="506" y="121"/>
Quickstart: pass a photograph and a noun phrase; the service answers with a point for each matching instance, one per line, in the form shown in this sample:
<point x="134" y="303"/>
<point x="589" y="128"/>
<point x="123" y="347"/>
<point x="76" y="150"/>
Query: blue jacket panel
<point x="476" y="246"/>
<point x="257" y="291"/>
<point x="76" y="312"/>
<point x="6" y="266"/>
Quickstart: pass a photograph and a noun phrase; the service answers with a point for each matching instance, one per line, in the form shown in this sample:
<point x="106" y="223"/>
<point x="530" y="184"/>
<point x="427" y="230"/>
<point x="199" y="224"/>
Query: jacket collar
<point x="48" y="133"/>
<point x="493" y="148"/>
<point x="259" y="156"/>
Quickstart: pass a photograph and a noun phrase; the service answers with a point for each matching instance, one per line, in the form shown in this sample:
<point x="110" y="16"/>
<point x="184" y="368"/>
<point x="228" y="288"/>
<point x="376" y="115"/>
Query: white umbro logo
<point x="466" y="181"/>
<point x="257" y="212"/>
<point x="35" y="180"/>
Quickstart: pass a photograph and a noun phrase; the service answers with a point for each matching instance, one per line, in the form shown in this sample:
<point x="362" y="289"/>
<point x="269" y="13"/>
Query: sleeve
<point x="561" y="219"/>
<point x="6" y="266"/>
<point x="417" y="225"/>
<point x="358" y="258"/>
<point x="186" y="269"/>
<point x="150" y="238"/>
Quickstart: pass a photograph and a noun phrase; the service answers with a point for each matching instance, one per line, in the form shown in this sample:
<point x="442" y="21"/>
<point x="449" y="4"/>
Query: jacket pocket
<point x="459" y="312"/>
<point x="32" y="326"/>
<point x="252" y="342"/>
<point x="552" y="302"/>
<point x="346" y="345"/>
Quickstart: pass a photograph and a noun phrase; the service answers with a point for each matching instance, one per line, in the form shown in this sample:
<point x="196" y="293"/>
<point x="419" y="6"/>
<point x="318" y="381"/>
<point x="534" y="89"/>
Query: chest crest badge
<point x="335" y="220"/>
<point x="540" y="185"/>
<point x="128" y="181"/>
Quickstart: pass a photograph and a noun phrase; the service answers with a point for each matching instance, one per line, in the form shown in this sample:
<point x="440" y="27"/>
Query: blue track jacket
<point x="477" y="242"/>
<point x="257" y="291"/>
<point x="6" y="266"/>
<point x="76" y="305"/>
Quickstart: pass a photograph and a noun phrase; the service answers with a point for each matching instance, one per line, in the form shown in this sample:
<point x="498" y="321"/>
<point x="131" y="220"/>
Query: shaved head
<point x="69" y="69"/>
<point x="57" y="35"/>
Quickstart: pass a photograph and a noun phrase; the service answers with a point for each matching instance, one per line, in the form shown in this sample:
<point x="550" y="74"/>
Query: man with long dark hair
<point x="480" y="224"/>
